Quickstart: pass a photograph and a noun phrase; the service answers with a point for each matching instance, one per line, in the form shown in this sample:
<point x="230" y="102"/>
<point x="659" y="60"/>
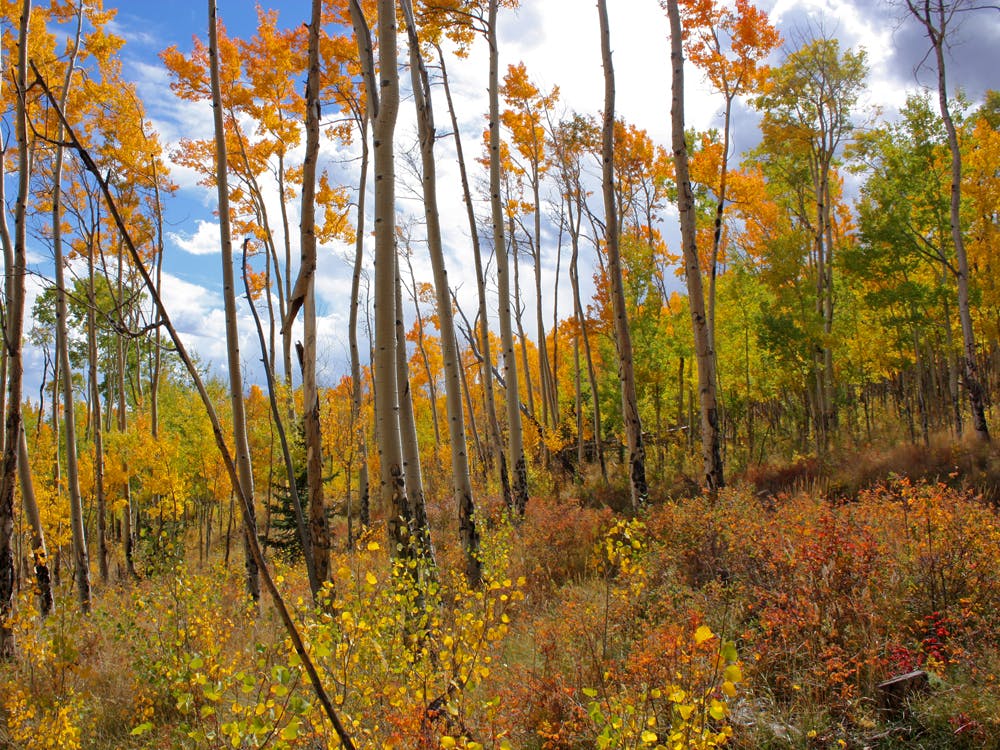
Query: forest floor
<point x="764" y="617"/>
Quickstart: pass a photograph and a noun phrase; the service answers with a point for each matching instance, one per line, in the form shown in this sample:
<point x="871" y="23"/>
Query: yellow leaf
<point x="734" y="673"/>
<point x="702" y="634"/>
<point x="685" y="711"/>
<point x="729" y="689"/>
<point x="370" y="577"/>
<point x="447" y="741"/>
<point x="717" y="711"/>
<point x="649" y="737"/>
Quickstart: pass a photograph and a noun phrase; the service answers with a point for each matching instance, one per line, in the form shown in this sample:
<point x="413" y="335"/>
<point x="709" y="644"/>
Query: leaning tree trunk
<point x="623" y="337"/>
<point x="245" y="469"/>
<point x="710" y="448"/>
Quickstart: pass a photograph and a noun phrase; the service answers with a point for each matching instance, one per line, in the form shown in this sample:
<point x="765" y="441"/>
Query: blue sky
<point x="558" y="41"/>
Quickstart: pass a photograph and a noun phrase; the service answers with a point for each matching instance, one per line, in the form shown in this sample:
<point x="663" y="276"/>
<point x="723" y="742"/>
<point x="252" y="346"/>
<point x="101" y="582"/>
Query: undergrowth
<point x="739" y="620"/>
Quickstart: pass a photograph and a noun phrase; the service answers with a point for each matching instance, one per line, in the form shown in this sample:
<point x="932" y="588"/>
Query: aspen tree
<point x="14" y="322"/>
<point x="243" y="464"/>
<point x="515" y="434"/>
<point x="936" y="16"/>
<point x="710" y="441"/>
<point x="383" y="106"/>
<point x="460" y="477"/>
<point x="495" y="441"/>
<point x="81" y="559"/>
<point x="319" y="530"/>
<point x="623" y="337"/>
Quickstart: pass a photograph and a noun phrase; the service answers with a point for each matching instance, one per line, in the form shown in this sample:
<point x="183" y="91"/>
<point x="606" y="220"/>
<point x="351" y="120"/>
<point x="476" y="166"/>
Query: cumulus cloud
<point x="206" y="239"/>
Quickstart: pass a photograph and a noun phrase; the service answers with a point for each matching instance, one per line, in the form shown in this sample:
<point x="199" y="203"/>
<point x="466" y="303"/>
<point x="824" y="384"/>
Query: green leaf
<point x="291" y="731"/>
<point x="141" y="729"/>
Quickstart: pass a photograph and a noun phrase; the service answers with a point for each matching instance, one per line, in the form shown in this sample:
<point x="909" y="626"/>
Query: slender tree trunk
<point x="522" y="340"/>
<point x="383" y="99"/>
<point x="97" y="420"/>
<point x="130" y="514"/>
<point x="953" y="390"/>
<point x="710" y="440"/>
<point x="39" y="553"/>
<point x="285" y="291"/>
<point x="357" y="425"/>
<point x="519" y="471"/>
<point x="460" y="476"/>
<point x="245" y="469"/>
<point x="320" y="531"/>
<point x="315" y="583"/>
<point x="432" y="391"/>
<point x="14" y="267"/>
<point x="417" y="511"/>
<point x="623" y="337"/>
<point x="81" y="559"/>
<point x="496" y="447"/>
<point x="581" y="317"/>
<point x="549" y="408"/>
<point x="154" y="386"/>
<point x="935" y="17"/>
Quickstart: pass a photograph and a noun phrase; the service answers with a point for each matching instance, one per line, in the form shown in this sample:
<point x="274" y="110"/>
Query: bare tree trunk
<point x="953" y="378"/>
<point x="39" y="553"/>
<point x="936" y="15"/>
<point x="243" y="464"/>
<point x="383" y="105"/>
<point x="320" y="531"/>
<point x="623" y="337"/>
<point x="95" y="405"/>
<point x="496" y="447"/>
<point x="131" y="515"/>
<point x="432" y="389"/>
<point x="81" y="560"/>
<point x="417" y="511"/>
<point x="357" y="426"/>
<point x="519" y="470"/>
<point x="518" y="305"/>
<point x="581" y="317"/>
<point x="315" y="583"/>
<point x="14" y="267"/>
<point x="461" y="478"/>
<point x="43" y="581"/>
<point x="710" y="442"/>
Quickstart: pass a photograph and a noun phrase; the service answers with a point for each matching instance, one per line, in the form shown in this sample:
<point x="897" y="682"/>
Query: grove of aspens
<point x="692" y="447"/>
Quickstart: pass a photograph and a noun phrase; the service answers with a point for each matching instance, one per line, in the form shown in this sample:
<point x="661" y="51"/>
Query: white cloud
<point x="206" y="239"/>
